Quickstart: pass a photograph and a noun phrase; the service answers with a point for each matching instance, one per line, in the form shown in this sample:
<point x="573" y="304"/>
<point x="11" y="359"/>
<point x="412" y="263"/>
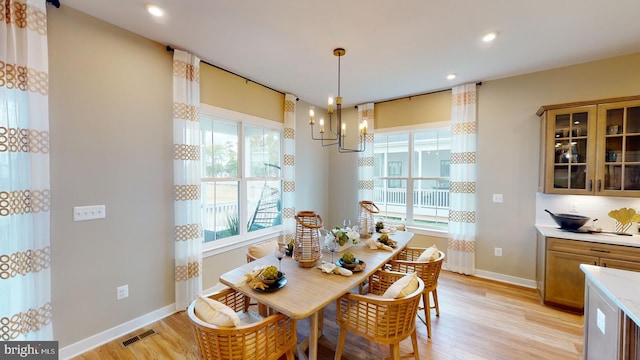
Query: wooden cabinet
<point x="561" y="282"/>
<point x="591" y="148"/>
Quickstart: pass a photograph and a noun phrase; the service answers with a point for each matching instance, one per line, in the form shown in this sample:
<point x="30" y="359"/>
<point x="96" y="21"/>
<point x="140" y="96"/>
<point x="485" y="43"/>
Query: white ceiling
<point x="394" y="48"/>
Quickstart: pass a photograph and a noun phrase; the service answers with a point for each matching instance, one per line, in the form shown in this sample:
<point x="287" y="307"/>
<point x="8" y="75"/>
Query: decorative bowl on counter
<point x="568" y="221"/>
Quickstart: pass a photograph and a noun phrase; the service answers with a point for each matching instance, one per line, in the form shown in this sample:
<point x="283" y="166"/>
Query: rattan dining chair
<point x="381" y="320"/>
<point x="407" y="262"/>
<point x="257" y="251"/>
<point x="258" y="338"/>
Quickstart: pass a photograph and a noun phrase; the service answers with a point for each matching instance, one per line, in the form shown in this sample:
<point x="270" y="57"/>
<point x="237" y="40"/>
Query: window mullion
<point x="409" y="181"/>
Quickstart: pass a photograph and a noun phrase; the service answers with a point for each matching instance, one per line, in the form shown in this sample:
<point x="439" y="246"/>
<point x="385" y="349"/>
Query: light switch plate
<point x="497" y="198"/>
<point x="92" y="212"/>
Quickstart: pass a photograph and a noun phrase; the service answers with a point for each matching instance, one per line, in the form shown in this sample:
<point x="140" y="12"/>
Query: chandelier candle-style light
<point x="337" y="136"/>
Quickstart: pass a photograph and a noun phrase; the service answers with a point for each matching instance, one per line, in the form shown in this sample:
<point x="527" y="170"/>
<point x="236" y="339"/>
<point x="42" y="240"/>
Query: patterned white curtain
<point x="289" y="169"/>
<point x="365" y="158"/>
<point x="25" y="252"/>
<point x="463" y="179"/>
<point x="186" y="177"/>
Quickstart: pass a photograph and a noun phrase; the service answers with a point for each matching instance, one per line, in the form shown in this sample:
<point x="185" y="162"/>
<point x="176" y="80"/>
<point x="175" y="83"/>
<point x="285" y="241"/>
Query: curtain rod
<point x="169" y="48"/>
<point x="415" y="95"/>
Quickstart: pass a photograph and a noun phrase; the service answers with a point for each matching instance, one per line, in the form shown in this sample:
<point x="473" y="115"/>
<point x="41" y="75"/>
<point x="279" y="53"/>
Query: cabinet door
<point x="602" y="326"/>
<point x="618" y="150"/>
<point x="570" y="150"/>
<point x="564" y="284"/>
<point x="620" y="264"/>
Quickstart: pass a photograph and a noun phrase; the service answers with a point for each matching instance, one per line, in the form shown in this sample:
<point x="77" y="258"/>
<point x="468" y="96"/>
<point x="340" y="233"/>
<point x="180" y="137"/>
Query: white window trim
<point x="240" y="241"/>
<point x="435" y="232"/>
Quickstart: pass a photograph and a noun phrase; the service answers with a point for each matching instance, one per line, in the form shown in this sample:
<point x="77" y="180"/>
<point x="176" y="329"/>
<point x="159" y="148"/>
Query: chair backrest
<point x="259" y="250"/>
<point x="385" y="321"/>
<point x="428" y="271"/>
<point x="264" y="338"/>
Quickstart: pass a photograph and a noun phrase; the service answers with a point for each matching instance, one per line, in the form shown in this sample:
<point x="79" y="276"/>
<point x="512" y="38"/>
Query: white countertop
<point x="605" y="238"/>
<point x="622" y="286"/>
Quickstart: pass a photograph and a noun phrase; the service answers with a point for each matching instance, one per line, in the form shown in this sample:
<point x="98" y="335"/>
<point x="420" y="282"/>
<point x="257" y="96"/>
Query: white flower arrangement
<point x="344" y="235"/>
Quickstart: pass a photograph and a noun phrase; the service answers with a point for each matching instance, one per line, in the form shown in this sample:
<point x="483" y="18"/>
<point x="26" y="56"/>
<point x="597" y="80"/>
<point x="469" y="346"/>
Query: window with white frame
<point x="241" y="176"/>
<point x="411" y="176"/>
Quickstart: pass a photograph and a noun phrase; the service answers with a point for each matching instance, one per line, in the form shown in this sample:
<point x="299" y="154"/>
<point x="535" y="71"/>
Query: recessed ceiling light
<point x="155" y="10"/>
<point x="451" y="76"/>
<point x="489" y="37"/>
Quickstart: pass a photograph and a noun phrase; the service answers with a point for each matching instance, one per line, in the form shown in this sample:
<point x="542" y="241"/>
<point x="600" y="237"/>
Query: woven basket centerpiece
<point x="366" y="225"/>
<point x="306" y="250"/>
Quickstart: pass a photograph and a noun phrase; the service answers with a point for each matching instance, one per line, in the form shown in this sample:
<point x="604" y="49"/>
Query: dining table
<point x="308" y="290"/>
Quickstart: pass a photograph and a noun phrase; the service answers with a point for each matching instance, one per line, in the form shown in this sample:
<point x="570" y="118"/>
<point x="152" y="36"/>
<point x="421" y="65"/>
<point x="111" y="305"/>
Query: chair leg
<point x="341" y="338"/>
<point x="435" y="301"/>
<point x="394" y="349"/>
<point x="290" y="355"/>
<point x="427" y="312"/>
<point x="414" y="342"/>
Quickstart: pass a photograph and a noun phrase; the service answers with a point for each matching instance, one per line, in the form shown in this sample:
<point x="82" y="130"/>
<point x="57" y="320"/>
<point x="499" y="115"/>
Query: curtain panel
<point x="289" y="169"/>
<point x="365" y="158"/>
<point x="186" y="178"/>
<point x="463" y="180"/>
<point x="25" y="251"/>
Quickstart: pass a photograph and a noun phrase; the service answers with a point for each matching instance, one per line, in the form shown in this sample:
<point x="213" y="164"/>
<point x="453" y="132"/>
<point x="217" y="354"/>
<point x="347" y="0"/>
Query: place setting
<point x="267" y="278"/>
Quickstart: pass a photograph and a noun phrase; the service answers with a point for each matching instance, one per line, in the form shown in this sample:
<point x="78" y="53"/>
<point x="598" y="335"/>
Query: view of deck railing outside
<point x="430" y="206"/>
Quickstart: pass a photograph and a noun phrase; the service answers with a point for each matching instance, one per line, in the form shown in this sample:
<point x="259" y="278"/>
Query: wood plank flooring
<point x="479" y="320"/>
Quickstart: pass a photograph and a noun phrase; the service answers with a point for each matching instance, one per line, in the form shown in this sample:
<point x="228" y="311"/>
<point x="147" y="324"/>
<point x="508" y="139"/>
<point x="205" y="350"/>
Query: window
<point x="241" y="176"/>
<point x="411" y="176"/>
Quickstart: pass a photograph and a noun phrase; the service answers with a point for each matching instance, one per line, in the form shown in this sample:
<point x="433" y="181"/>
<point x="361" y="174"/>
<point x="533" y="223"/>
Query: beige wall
<point x="508" y="151"/>
<point x="110" y="114"/>
<point x="110" y="122"/>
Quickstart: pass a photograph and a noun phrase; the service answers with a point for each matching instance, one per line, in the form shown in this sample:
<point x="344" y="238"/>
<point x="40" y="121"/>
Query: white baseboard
<point x="106" y="336"/>
<point x="502" y="278"/>
<point x="506" y="278"/>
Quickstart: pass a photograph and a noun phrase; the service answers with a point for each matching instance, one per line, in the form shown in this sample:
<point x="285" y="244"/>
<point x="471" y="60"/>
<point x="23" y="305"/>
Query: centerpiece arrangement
<point x="345" y="237"/>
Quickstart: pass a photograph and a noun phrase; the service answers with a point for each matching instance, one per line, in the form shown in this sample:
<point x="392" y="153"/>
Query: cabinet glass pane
<point x="563" y="152"/>
<point x="632" y="177"/>
<point x="578" y="177"/>
<point x="632" y="149"/>
<point x="579" y="151"/>
<point x="562" y="125"/>
<point x="613" y="177"/>
<point x="561" y="177"/>
<point x="579" y="125"/>
<point x="633" y="120"/>
<point x="614" y="149"/>
<point x="615" y="119"/>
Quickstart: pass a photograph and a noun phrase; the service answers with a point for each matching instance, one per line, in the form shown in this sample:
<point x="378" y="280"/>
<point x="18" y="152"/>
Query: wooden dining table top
<point x="309" y="290"/>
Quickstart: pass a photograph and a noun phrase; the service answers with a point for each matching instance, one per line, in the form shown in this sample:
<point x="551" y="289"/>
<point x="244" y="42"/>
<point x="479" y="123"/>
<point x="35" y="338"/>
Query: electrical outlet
<point x="497" y="251"/>
<point x="122" y="292"/>
<point x="92" y="212"/>
<point x="573" y="207"/>
<point x="497" y="198"/>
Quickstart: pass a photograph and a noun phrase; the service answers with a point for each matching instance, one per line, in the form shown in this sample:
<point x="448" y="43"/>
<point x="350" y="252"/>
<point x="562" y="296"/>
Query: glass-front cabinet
<point x="620" y="142"/>
<point x="591" y="148"/>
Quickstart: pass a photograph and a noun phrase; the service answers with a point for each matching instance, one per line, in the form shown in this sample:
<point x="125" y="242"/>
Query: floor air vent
<point x="138" y="337"/>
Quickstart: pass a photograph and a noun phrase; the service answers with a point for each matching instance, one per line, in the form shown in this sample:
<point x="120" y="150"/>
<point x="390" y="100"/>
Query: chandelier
<point x="337" y="136"/>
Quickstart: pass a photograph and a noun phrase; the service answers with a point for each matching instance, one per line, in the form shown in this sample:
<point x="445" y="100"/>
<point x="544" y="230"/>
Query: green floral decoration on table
<point x="344" y="235"/>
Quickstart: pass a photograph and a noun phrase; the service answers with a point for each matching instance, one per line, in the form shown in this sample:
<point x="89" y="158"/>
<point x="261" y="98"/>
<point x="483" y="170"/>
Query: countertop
<point x="605" y="238"/>
<point x="623" y="287"/>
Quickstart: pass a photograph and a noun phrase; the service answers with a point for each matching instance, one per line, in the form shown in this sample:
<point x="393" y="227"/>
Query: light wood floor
<point x="479" y="319"/>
